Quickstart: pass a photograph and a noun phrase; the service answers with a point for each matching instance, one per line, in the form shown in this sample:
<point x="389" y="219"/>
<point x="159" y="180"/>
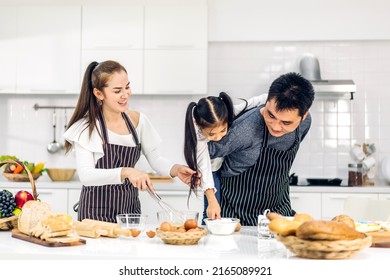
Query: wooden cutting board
<point x="380" y="238"/>
<point x="17" y="234"/>
<point x="161" y="179"/>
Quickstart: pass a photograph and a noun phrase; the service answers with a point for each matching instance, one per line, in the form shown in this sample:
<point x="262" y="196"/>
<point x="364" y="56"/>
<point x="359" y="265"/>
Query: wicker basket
<point x="322" y="249"/>
<point x="181" y="238"/>
<point x="21" y="177"/>
<point x="12" y="222"/>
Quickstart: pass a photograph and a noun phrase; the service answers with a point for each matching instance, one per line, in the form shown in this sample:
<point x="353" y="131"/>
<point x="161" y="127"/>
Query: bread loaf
<point x="283" y="226"/>
<point x="345" y="219"/>
<point x="33" y="212"/>
<point x="327" y="230"/>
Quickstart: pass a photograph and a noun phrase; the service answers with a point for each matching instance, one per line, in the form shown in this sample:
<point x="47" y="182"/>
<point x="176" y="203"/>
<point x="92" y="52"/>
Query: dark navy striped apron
<point x="264" y="186"/>
<point x="103" y="203"/>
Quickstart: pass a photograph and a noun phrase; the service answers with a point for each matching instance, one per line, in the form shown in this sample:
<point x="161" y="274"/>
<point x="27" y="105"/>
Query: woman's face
<point x="216" y="133"/>
<point x="280" y="123"/>
<point x="116" y="94"/>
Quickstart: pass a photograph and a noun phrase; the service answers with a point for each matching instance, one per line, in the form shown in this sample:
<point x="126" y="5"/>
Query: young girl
<point x="209" y="120"/>
<point x="108" y="140"/>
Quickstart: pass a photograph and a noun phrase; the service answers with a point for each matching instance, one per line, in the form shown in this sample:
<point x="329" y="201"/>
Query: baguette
<point x="327" y="230"/>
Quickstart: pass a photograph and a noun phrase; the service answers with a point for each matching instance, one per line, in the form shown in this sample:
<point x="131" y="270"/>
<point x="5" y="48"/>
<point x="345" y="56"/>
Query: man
<point x="260" y="148"/>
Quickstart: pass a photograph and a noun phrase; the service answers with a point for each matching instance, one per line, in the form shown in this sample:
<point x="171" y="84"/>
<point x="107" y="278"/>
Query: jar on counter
<point x="355" y="174"/>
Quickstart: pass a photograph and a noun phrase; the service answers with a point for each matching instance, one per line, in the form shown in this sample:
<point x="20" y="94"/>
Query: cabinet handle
<point x="48" y="90"/>
<point x="40" y="192"/>
<point x="345" y="196"/>
<point x="184" y="91"/>
<point x="175" y="46"/>
<point x="294" y="196"/>
<point x="109" y="47"/>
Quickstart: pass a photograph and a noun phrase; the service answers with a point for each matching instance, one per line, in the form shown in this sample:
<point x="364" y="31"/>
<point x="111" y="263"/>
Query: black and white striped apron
<point x="103" y="203"/>
<point x="264" y="186"/>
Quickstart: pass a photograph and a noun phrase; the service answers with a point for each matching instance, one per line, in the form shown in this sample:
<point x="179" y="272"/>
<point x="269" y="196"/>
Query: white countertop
<point x="242" y="245"/>
<point x="44" y="182"/>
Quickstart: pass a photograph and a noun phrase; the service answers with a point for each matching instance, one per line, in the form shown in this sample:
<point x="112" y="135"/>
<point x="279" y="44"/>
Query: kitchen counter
<point x="243" y="245"/>
<point x="44" y="182"/>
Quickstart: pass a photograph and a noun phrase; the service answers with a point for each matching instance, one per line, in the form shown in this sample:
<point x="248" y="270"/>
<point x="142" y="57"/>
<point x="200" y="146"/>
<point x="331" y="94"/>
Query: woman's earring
<point x="100" y="102"/>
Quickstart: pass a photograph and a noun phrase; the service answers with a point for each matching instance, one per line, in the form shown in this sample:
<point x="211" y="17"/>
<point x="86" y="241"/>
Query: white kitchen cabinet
<point x="178" y="27"/>
<point x="176" y="199"/>
<point x="175" y="72"/>
<point x="48" y="48"/>
<point x="333" y="203"/>
<point x="56" y="198"/>
<point x="112" y="27"/>
<point x="384" y="196"/>
<point x="132" y="60"/>
<point x="8" y="49"/>
<point x="73" y="198"/>
<point x="299" y="20"/>
<point x="309" y="203"/>
<point x="175" y="57"/>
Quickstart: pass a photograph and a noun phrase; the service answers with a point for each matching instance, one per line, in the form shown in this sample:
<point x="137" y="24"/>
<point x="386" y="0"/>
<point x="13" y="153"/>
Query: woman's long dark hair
<point x="96" y="76"/>
<point x="209" y="112"/>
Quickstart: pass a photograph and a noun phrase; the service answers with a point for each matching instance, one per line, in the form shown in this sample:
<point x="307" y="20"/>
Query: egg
<point x="150" y="233"/>
<point x="238" y="227"/>
<point x="165" y="226"/>
<point x="190" y="224"/>
<point x="135" y="232"/>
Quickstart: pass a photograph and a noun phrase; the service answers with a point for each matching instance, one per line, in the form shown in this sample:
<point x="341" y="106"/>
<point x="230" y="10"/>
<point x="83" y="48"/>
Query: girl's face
<point x="116" y="94"/>
<point x="216" y="133"/>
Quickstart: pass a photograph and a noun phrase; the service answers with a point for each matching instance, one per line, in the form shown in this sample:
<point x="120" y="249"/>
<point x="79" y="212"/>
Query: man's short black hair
<point x="292" y="91"/>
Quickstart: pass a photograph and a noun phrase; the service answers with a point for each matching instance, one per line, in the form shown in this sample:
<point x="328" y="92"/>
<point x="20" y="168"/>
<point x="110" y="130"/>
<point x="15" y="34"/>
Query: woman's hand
<point x="138" y="179"/>
<point x="185" y="174"/>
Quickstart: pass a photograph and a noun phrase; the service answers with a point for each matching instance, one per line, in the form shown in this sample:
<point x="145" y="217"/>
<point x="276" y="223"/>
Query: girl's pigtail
<point x="190" y="142"/>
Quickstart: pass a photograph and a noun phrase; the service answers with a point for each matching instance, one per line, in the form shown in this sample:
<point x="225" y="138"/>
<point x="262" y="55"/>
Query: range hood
<point x="309" y="68"/>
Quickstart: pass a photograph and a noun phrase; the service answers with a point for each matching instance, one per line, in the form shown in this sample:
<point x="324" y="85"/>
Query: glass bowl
<point x="132" y="221"/>
<point x="178" y="217"/>
<point x="223" y="226"/>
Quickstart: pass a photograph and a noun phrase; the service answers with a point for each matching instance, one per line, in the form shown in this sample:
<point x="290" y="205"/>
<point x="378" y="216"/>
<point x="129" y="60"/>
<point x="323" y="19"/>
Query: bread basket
<point x="181" y="238"/>
<point x="323" y="249"/>
<point x="12" y="222"/>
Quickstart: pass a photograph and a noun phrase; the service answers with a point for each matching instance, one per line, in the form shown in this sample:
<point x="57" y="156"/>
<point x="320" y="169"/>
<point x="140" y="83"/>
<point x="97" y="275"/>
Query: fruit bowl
<point x="61" y="174"/>
<point x="20" y="177"/>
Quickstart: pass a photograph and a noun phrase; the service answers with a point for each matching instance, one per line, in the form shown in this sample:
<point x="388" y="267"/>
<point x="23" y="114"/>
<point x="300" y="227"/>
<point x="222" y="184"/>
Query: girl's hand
<point x="213" y="211"/>
<point x="185" y="174"/>
<point x="140" y="180"/>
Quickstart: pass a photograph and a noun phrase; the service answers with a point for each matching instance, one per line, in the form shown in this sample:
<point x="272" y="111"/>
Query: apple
<point x="21" y="197"/>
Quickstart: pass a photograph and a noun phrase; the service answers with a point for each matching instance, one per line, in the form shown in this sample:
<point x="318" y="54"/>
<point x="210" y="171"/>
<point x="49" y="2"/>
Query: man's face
<point x="280" y="123"/>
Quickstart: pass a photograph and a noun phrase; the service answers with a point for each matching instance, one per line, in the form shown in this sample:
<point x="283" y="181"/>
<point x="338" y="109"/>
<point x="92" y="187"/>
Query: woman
<point x="108" y="140"/>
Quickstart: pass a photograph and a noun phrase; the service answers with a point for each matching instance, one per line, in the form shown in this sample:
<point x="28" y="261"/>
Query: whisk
<point x="174" y="215"/>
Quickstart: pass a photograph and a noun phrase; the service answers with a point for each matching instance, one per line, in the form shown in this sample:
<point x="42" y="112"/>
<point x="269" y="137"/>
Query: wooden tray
<point x="17" y="234"/>
<point x="380" y="238"/>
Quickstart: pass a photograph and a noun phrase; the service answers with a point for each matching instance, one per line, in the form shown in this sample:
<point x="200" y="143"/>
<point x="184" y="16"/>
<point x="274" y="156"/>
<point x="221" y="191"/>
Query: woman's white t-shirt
<point x="89" y="149"/>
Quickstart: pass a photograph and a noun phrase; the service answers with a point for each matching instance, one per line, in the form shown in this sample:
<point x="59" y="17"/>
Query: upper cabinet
<point x="112" y="27"/>
<point x="299" y="20"/>
<point x="7" y="49"/>
<point x="48" y="49"/>
<point x="173" y="27"/>
<point x="175" y="50"/>
<point x="115" y="33"/>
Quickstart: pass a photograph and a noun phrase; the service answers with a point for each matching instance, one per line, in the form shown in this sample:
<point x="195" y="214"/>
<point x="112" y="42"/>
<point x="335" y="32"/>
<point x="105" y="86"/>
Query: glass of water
<point x="262" y="226"/>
